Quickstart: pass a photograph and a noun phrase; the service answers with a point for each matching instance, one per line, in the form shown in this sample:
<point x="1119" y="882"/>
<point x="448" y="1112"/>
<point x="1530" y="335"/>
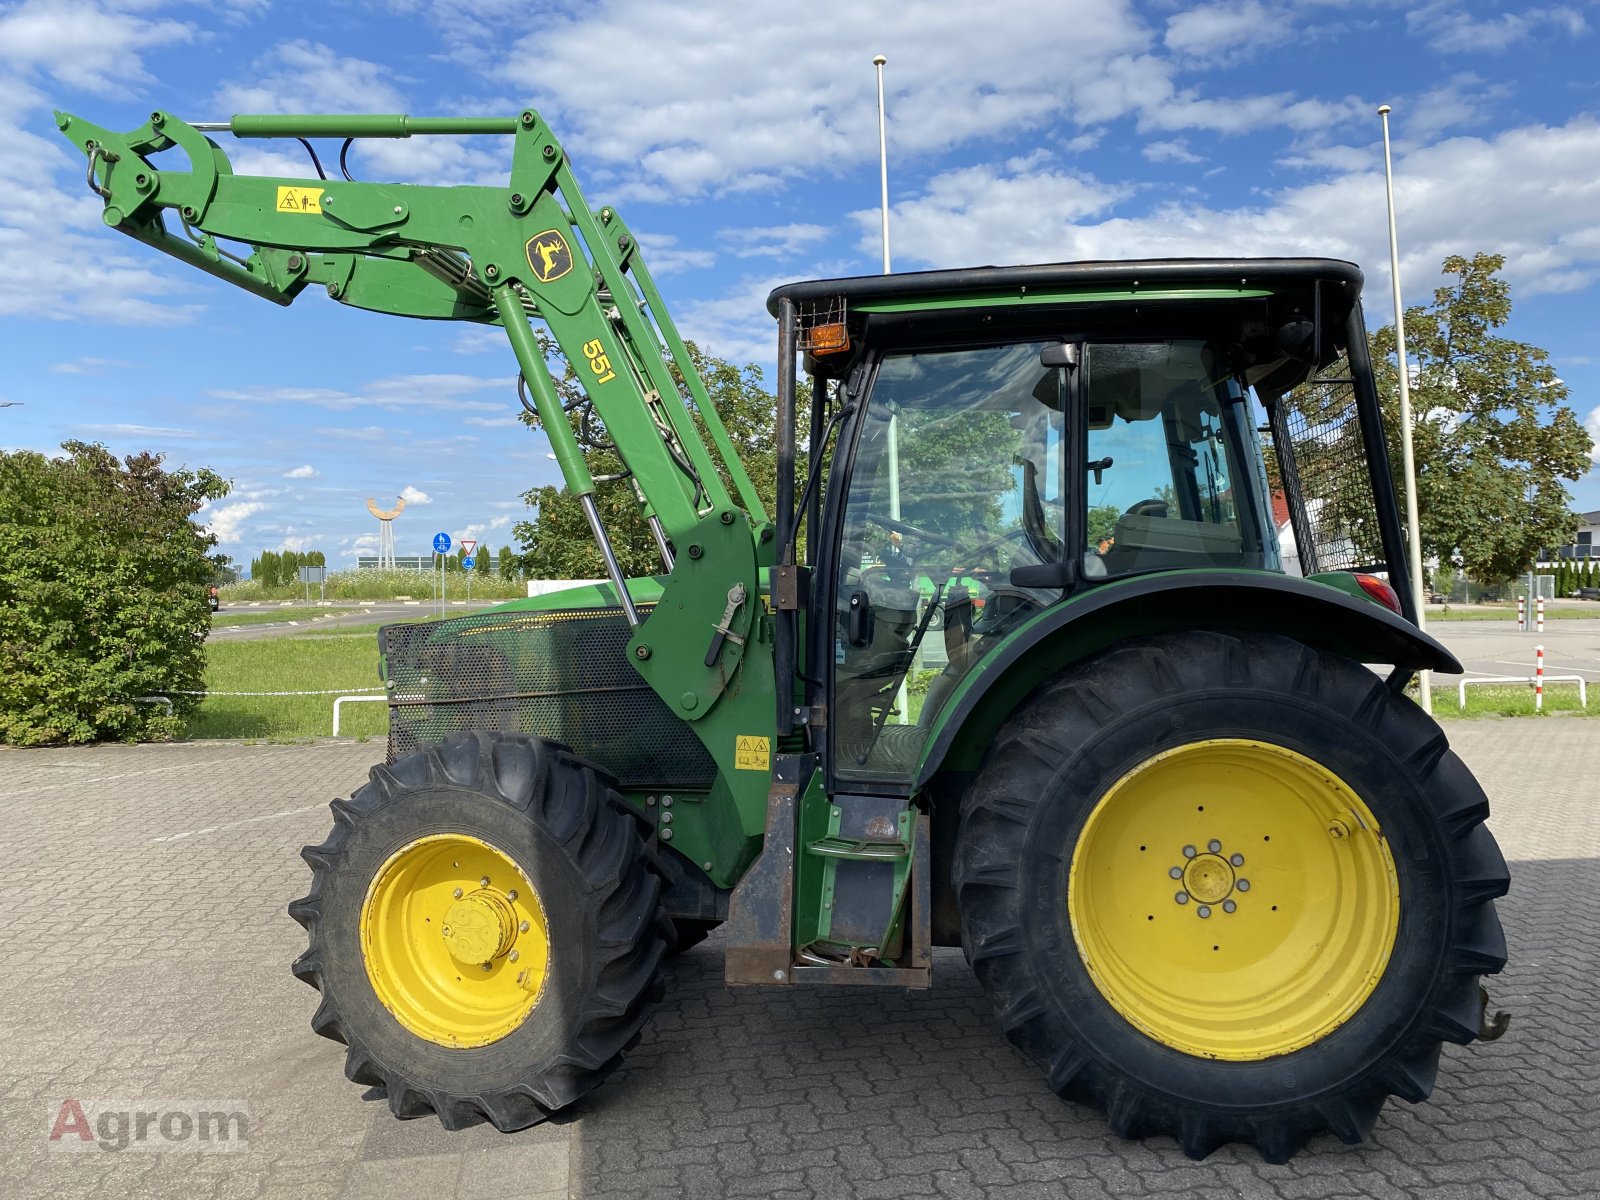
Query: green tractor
<point x="1015" y="665"/>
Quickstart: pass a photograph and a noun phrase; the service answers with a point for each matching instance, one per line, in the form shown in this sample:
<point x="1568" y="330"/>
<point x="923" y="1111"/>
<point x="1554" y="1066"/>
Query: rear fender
<point x="1317" y="614"/>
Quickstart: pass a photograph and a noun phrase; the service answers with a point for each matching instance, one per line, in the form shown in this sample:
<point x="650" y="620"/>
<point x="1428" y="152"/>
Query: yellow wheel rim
<point x="1233" y="899"/>
<point x="454" y="940"/>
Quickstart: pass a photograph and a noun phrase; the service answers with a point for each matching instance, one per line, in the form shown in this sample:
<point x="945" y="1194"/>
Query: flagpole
<point x="1408" y="462"/>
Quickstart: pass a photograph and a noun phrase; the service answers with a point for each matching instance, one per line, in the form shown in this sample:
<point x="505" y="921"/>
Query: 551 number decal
<point x="599" y="361"/>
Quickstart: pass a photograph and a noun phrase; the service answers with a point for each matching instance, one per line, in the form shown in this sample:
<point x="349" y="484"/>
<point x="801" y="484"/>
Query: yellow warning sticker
<point x="299" y="200"/>
<point x="752" y="753"/>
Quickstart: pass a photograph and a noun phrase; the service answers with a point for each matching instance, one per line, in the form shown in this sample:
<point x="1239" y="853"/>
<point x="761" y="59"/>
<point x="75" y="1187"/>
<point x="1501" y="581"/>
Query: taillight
<point x="1380" y="591"/>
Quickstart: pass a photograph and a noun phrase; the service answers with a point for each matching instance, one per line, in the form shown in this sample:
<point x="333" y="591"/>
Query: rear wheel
<point x="1227" y="888"/>
<point x="485" y="929"/>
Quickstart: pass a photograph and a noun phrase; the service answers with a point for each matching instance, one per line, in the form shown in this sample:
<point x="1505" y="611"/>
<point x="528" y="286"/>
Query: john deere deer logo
<point x="549" y="256"/>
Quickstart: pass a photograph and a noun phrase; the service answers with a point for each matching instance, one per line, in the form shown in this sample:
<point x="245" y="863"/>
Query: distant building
<point x="1585" y="543"/>
<point x="418" y="562"/>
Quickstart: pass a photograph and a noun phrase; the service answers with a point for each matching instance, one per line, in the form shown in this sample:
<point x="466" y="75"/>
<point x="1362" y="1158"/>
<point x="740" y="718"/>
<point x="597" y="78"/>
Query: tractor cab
<point x="1010" y="440"/>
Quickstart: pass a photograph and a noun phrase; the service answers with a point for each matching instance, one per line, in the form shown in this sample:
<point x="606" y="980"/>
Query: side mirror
<point x="1060" y="354"/>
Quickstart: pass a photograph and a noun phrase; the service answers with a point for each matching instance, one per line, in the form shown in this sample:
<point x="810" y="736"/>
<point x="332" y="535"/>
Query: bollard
<point x="1522" y="614"/>
<point x="1538" y="679"/>
<point x="1538" y="611"/>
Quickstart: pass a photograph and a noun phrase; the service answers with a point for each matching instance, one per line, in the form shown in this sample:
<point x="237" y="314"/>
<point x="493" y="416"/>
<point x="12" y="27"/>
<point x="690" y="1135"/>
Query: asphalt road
<point x="1571" y="647"/>
<point x="144" y="966"/>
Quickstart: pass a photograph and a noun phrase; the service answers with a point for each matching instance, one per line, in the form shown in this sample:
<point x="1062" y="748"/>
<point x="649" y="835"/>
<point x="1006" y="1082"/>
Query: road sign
<point x="468" y="545"/>
<point x="441" y="543"/>
<point x="468" y="562"/>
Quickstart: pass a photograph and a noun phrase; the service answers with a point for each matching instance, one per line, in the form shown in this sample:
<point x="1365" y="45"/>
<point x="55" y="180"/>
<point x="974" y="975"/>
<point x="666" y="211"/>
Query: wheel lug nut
<point x="484" y="882"/>
<point x="522" y="927"/>
<point x="1189" y="852"/>
<point x="1203" y="911"/>
<point x="488" y="966"/>
<point x="1243" y="885"/>
<point x="1213" y="845"/>
<point x="512" y="956"/>
<point x="1182" y="897"/>
<point x="1175" y="873"/>
<point x="512" y="894"/>
<point x="456" y="893"/>
<point x="1236" y="859"/>
<point x="1228" y="906"/>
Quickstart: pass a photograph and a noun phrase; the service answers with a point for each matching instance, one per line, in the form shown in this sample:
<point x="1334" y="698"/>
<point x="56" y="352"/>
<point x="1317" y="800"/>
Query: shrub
<point x="103" y="579"/>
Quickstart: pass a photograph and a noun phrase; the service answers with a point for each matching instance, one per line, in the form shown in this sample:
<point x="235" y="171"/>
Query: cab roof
<point x="1272" y="274"/>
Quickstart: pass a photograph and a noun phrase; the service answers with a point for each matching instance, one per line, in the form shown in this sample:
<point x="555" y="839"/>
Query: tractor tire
<point x="1228" y="888"/>
<point x="485" y="929"/>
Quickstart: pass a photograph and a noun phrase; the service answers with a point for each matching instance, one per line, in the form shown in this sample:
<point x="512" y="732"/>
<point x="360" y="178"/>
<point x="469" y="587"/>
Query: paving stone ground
<point x="143" y="960"/>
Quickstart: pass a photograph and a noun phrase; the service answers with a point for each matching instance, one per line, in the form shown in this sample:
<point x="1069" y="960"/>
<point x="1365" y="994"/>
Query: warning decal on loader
<point x="752" y="753"/>
<point x="299" y="200"/>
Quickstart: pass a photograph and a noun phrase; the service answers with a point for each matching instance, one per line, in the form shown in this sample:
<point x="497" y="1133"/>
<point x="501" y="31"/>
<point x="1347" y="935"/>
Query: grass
<point x="1510" y="700"/>
<point x="342" y="661"/>
<point x="1508" y="613"/>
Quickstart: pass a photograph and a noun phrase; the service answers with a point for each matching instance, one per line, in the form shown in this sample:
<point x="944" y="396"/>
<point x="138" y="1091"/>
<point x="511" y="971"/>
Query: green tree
<point x="1492" y="433"/>
<point x="103" y="579"/>
<point x="556" y="541"/>
<point x="480" y="561"/>
<point x="507" y="563"/>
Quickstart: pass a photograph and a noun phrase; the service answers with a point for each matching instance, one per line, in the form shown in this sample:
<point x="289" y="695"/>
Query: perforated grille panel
<point x="562" y="675"/>
<point x="1323" y="458"/>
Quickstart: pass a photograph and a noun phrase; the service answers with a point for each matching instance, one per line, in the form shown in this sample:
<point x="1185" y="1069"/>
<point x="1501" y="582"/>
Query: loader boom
<point x="530" y="251"/>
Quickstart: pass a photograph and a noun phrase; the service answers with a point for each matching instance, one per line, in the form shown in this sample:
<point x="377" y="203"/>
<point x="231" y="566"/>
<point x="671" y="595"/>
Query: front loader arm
<point x="445" y="253"/>
<point x="532" y="250"/>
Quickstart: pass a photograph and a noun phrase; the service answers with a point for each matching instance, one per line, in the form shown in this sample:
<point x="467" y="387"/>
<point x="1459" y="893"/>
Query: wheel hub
<point x="479" y="927"/>
<point x="1208" y="878"/>
<point x="454" y="940"/>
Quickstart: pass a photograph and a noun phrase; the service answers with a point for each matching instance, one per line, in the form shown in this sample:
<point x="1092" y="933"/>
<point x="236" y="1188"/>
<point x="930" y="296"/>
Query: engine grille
<point x="561" y="674"/>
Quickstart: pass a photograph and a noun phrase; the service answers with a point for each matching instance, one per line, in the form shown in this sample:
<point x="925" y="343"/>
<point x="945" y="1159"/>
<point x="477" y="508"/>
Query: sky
<point x="740" y="141"/>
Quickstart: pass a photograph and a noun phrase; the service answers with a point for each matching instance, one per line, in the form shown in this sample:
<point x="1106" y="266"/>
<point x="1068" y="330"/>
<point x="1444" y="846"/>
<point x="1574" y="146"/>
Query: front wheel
<point x="485" y="929"/>
<point x="1228" y="888"/>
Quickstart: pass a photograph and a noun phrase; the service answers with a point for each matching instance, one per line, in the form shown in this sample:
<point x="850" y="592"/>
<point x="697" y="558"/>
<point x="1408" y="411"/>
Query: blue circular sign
<point x="468" y="563"/>
<point x="441" y="543"/>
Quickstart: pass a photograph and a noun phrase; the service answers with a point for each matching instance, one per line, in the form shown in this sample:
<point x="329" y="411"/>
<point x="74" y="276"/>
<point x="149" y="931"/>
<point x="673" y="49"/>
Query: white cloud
<point x="664" y="256"/>
<point x="1592" y="424"/>
<point x="305" y="472"/>
<point x="429" y="392"/>
<point x="292" y="74"/>
<point x="1176" y="151"/>
<point x="89" y="365"/>
<point x="1531" y="193"/>
<point x="84" y="44"/>
<point x="772" y="241"/>
<point x="702" y="111"/>
<point x="1450" y="30"/>
<point x="123" y="430"/>
<point x="1219" y="34"/>
<point x="227" y="522"/>
<point x="492" y="422"/>
<point x="415" y="496"/>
